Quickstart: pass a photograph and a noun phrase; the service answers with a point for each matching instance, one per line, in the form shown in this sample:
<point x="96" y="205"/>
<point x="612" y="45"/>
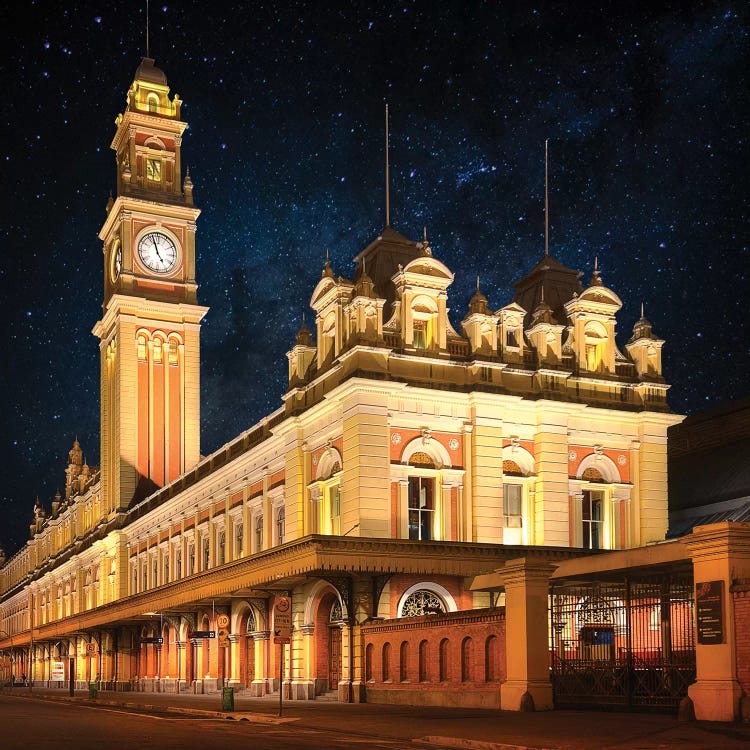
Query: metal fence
<point x="628" y="644"/>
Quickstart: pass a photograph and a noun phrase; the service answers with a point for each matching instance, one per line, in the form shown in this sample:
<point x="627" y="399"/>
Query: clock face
<point x="157" y="252"/>
<point x="115" y="261"/>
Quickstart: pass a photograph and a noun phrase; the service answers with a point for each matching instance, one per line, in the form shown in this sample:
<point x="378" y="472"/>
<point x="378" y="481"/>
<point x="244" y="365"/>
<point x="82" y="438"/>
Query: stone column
<point x="720" y="554"/>
<point x="235" y="678"/>
<point x="182" y="682"/>
<point x="260" y="682"/>
<point x="303" y="682"/>
<point x="526" y="582"/>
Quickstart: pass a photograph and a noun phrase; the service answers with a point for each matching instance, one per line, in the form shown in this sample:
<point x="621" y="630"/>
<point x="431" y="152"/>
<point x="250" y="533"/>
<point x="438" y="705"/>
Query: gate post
<point x="526" y="582"/>
<point x="720" y="553"/>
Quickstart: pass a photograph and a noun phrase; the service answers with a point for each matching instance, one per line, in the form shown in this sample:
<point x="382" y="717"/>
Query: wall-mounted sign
<point x="57" y="671"/>
<point x="282" y="620"/>
<point x="203" y="634"/>
<point x="709" y="608"/>
<point x="157" y="641"/>
<point x="91" y="649"/>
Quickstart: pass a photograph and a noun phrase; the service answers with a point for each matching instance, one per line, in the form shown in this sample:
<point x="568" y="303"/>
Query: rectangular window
<point x="420" y="334"/>
<point x="153" y="169"/>
<point x="512" y="504"/>
<point x="592" y="506"/>
<point x="421" y="508"/>
<point x="335" y="510"/>
<point x="511" y="338"/>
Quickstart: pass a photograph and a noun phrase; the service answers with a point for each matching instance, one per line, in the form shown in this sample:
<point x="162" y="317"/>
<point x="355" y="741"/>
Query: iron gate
<point x="626" y="644"/>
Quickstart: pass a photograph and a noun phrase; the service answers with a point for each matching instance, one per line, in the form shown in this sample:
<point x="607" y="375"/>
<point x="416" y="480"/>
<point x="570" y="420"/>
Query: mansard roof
<point x="389" y="250"/>
<point x="558" y="282"/>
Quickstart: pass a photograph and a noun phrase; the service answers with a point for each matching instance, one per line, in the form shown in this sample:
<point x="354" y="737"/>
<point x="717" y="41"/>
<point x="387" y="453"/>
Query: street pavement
<point x="371" y="725"/>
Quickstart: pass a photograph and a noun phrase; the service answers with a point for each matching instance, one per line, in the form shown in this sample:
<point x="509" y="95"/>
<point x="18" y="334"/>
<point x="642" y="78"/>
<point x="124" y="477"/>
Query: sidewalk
<point x="447" y="727"/>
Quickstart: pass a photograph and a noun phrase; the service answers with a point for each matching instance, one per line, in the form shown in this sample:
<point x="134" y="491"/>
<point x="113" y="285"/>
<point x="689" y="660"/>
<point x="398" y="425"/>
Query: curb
<point x="460" y="743"/>
<point x="237" y="716"/>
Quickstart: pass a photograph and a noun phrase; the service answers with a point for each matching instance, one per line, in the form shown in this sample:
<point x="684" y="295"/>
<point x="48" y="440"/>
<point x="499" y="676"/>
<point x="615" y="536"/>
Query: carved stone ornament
<point x="453" y="444"/>
<point x="426" y="435"/>
<point x="395" y="438"/>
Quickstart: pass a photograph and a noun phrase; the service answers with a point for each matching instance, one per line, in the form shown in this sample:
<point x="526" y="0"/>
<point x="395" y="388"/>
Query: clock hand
<point x="156" y="247"/>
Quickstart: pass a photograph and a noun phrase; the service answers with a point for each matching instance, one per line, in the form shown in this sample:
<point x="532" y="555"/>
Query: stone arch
<point x="433" y="448"/>
<point x="521" y="457"/>
<point x="330" y="462"/>
<point x="243" y="612"/>
<point x="315" y="595"/>
<point x="603" y="464"/>
<point x="435" y="588"/>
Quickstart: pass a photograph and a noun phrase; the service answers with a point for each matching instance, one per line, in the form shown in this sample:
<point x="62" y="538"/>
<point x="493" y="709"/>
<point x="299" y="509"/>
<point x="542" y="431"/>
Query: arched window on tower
<point x="595" y="339"/>
<point x="280" y="525"/>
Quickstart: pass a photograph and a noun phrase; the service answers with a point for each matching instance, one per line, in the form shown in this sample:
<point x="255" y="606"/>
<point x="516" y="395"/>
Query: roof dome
<point x="148" y="72"/>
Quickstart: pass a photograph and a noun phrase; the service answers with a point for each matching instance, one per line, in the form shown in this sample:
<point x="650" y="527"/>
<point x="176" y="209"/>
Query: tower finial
<point x="387" y="173"/>
<point x="477" y="282"/>
<point x="147" y="40"/>
<point x="546" y="196"/>
<point x="642" y="315"/>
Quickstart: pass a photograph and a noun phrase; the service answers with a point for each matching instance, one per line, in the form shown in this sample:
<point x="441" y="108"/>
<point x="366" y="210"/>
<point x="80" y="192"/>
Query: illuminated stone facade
<point x="407" y="457"/>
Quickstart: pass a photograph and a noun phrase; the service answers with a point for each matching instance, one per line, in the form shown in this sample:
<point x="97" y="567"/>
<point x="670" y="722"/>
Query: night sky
<point x="645" y="107"/>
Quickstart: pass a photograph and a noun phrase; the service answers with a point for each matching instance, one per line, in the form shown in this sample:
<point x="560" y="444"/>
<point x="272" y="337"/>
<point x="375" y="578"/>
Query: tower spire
<point x="147" y="39"/>
<point x="387" y="173"/>
<point x="546" y="196"/>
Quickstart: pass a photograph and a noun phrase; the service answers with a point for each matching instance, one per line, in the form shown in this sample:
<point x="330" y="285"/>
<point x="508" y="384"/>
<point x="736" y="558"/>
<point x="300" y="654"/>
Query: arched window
<point x="386" y="662"/>
<point x="491" y="659"/>
<point x="423" y="663"/>
<point x="368" y="662"/>
<point x="259" y="533"/>
<point x="206" y="554"/>
<point x="422" y="602"/>
<point x="595" y="338"/>
<point x="404" y="662"/>
<point x="467" y="653"/>
<point x="222" y="547"/>
<point x="444" y="661"/>
<point x="153" y="103"/>
<point x="191" y="559"/>
<point x="238" y="534"/>
<point x="280" y="525"/>
<point x="166" y="569"/>
<point x="178" y="564"/>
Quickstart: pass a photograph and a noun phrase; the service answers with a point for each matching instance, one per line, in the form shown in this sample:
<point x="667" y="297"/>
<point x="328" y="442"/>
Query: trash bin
<point x="93" y="690"/>
<point x="227" y="699"/>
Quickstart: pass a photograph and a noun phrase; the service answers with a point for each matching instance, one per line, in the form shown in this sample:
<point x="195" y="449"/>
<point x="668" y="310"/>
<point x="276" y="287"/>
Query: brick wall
<point x="741" y="594"/>
<point x="455" y="659"/>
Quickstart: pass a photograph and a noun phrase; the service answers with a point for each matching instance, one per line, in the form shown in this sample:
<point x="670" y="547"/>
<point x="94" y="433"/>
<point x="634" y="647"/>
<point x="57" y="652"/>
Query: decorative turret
<point x="592" y="317"/>
<point x="480" y="325"/>
<point x="56" y="502"/>
<point x="645" y="349"/>
<point x="545" y="335"/>
<point x="40" y="516"/>
<point x="301" y="355"/>
<point x="331" y="295"/>
<point x="75" y="464"/>
<point x="365" y="312"/>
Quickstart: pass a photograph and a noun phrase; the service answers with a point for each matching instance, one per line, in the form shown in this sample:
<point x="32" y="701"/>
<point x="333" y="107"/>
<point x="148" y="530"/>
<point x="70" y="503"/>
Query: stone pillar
<point x="303" y="681"/>
<point x="720" y="553"/>
<point x="526" y="582"/>
<point x="260" y="682"/>
<point x="234" y="678"/>
<point x="182" y="681"/>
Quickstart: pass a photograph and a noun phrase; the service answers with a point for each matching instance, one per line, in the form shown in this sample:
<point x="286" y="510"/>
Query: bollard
<point x="227" y="699"/>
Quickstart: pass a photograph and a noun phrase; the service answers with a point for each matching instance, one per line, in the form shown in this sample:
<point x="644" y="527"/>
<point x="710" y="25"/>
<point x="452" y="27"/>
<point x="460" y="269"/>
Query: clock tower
<point x="150" y="327"/>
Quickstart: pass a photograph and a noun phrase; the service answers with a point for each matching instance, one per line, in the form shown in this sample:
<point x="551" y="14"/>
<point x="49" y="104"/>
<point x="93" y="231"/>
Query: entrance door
<point x="249" y="661"/>
<point x="629" y="643"/>
<point x="334" y="657"/>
